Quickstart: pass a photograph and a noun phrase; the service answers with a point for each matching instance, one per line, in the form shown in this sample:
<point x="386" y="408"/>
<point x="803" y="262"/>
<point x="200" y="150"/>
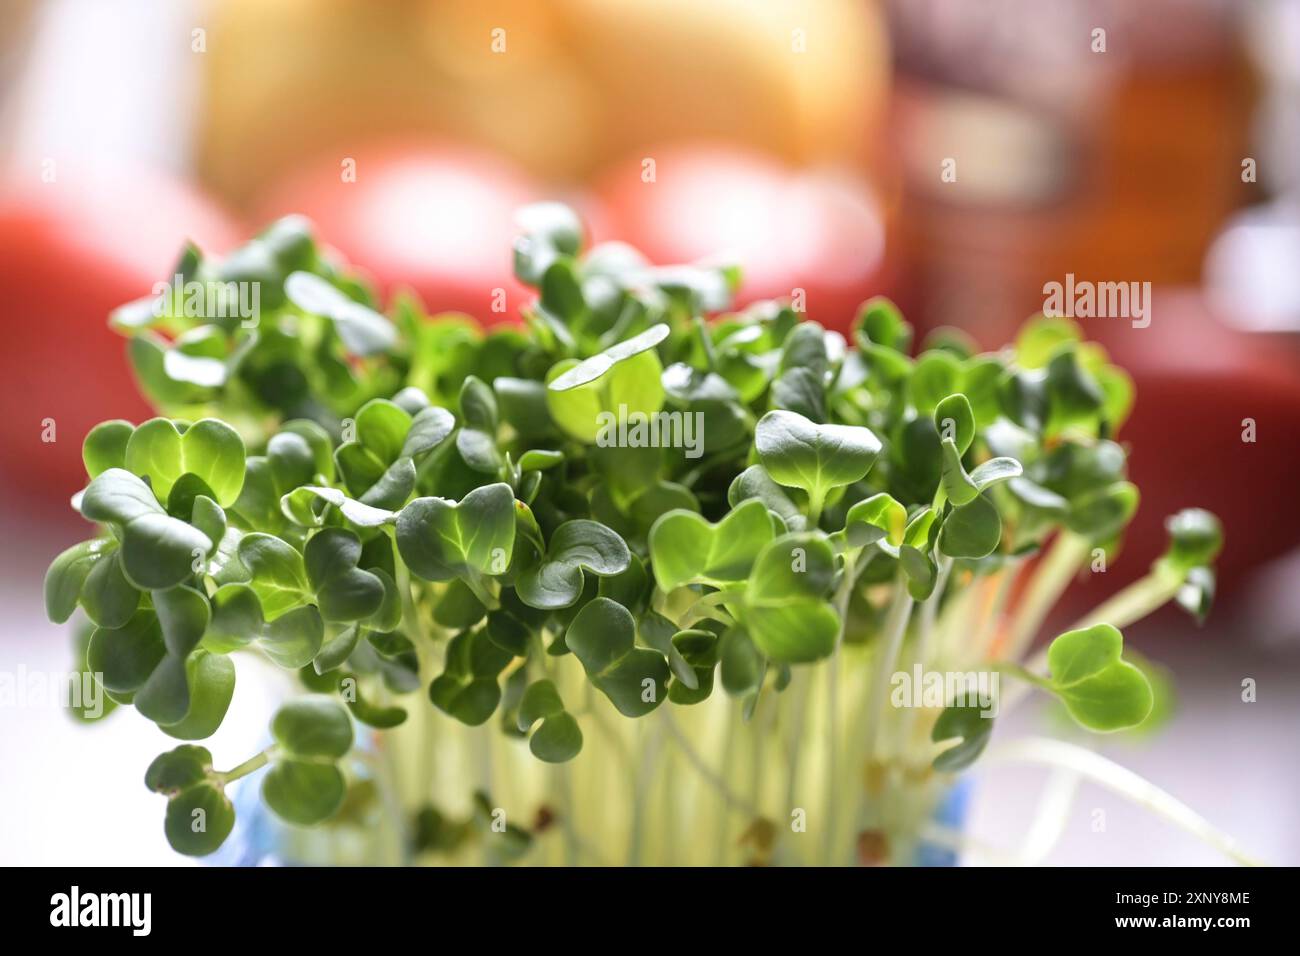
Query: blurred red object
<point x="71" y="252"/>
<point x="789" y="229"/>
<point x="439" y="220"/>
<point x="1199" y="385"/>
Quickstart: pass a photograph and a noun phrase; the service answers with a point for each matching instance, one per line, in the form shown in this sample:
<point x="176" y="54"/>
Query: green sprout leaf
<point x="874" y="519"/>
<point x="292" y="640"/>
<point x="199" y="815"/>
<point x="558" y="737"/>
<point x="158" y="551"/>
<point x="362" y="330"/>
<point x="584" y="398"/>
<point x="755" y="482"/>
<point x="697" y="650"/>
<point x="603" y="637"/>
<point x="936" y="376"/>
<point x="786" y="613"/>
<point x="973" y="530"/>
<point x="1101" y="690"/>
<point x="344" y="592"/>
<point x="91" y="573"/>
<point x="429" y="429"/>
<point x="105" y="446"/>
<point x="597" y="366"/>
<point x="441" y="539"/>
<point x="312" y="727"/>
<point x="279" y="575"/>
<point x="297" y="507"/>
<point x="798" y="453"/>
<point x="550" y="230"/>
<point x="211" y="682"/>
<point x="1195" y="539"/>
<point x="476" y="440"/>
<point x="305" y="785"/>
<point x="955" y="420"/>
<point x="557" y="581"/>
<point x="67" y="574"/>
<point x="1101" y="514"/>
<point x="967" y="722"/>
<point x="687" y="549"/>
<point x="209" y="449"/>
<point x="468" y="687"/>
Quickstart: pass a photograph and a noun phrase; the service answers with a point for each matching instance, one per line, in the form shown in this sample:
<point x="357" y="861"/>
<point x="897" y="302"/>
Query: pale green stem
<point x="895" y="629"/>
<point x="1134" y="602"/>
<point x="1120" y="780"/>
<point x="887" y="645"/>
<point x="1050" y="579"/>
<point x="816" y="501"/>
<point x="728" y="766"/>
<point x="564" y="794"/>
<point x="758" y="753"/>
<point x="707" y="773"/>
<point x="255" y="762"/>
<point x="842" y="598"/>
<point x="424" y="656"/>
<point x="1050" y="817"/>
<point x="803" y="678"/>
<point x="1030" y="677"/>
<point x="989" y="623"/>
<point x="641" y="784"/>
<point x="924" y="646"/>
<point x="381" y="765"/>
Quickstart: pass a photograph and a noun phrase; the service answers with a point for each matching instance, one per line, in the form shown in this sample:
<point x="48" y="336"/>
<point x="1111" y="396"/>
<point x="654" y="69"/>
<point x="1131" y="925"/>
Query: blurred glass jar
<point x="1112" y="155"/>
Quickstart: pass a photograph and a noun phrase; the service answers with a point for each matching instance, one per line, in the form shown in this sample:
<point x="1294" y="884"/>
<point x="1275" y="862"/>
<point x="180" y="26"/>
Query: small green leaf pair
<point x="292" y="639"/>
<point x="199" y="814"/>
<point x="158" y="551"/>
<point x="440" y="539"/>
<point x="603" y="638"/>
<point x="556" y="581"/>
<point x="468" y="688"/>
<point x="209" y="450"/>
<point x="305" y="785"/>
<point x="799" y="453"/>
<point x="378" y="465"/>
<point x="146" y="660"/>
<point x="785" y="579"/>
<point x="558" y="737"/>
<point x="1101" y="690"/>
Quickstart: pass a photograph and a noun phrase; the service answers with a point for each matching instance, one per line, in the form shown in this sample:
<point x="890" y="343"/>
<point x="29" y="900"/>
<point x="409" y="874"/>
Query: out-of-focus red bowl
<point x="70" y="252"/>
<point x="789" y="229"/>
<point x="1197" y="381"/>
<point x="439" y="220"/>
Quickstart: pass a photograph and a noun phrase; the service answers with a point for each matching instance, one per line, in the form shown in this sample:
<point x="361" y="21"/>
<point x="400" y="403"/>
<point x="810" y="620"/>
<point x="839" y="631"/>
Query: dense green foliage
<point x="390" y="505"/>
